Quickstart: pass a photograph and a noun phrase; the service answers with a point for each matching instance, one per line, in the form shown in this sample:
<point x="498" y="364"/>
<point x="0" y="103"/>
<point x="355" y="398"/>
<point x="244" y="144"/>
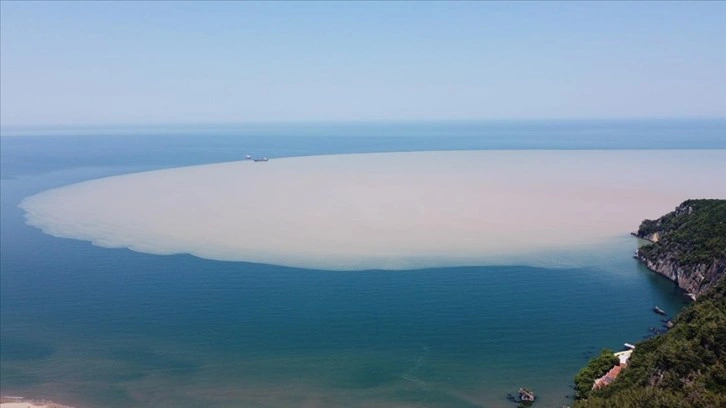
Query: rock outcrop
<point x="688" y="245"/>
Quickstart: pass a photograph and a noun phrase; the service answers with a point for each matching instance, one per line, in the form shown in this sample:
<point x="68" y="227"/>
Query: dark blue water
<point x="55" y="149"/>
<point x="113" y="328"/>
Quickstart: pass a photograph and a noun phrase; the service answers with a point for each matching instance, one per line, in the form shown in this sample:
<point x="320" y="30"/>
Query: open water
<point x="99" y="327"/>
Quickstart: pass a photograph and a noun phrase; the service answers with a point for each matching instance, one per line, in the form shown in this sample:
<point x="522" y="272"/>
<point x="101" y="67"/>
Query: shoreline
<point x="643" y="261"/>
<point x="22" y="402"/>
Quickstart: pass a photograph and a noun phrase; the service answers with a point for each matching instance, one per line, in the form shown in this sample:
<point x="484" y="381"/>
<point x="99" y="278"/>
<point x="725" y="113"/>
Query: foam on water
<point x="391" y="211"/>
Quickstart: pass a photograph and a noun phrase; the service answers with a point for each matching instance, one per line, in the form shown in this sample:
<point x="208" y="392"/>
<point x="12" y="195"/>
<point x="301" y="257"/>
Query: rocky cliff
<point x="688" y="245"/>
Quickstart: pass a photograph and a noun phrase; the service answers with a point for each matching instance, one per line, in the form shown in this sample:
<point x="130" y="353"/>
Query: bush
<point x="684" y="368"/>
<point x="596" y="368"/>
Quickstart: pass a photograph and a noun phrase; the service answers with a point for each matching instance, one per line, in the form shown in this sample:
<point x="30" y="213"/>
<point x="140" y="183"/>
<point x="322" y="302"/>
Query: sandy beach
<point x="20" y="402"/>
<point x="390" y="211"/>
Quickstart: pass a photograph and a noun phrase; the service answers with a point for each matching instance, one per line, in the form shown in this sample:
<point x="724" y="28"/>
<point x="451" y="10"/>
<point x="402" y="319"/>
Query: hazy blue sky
<point x="161" y="62"/>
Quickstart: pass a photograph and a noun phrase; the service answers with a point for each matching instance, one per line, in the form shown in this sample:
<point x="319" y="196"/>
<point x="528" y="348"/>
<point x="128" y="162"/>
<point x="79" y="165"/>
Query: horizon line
<point x="91" y="125"/>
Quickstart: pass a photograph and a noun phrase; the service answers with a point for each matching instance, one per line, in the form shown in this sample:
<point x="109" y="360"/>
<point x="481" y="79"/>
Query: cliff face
<point x="693" y="279"/>
<point x="688" y="245"/>
<point x="685" y="367"/>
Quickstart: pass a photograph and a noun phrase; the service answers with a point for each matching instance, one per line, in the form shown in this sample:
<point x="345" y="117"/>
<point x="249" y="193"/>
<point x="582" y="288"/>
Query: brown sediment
<point x="380" y="211"/>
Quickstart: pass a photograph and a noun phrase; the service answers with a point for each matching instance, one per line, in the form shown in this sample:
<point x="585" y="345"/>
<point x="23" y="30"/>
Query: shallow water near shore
<point x="99" y="327"/>
<point x="130" y="327"/>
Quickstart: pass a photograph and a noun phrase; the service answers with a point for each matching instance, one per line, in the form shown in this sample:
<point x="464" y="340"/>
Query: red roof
<point x="609" y="377"/>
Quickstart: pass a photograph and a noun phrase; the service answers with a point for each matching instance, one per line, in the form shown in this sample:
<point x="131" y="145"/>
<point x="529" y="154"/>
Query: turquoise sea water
<point x="102" y="327"/>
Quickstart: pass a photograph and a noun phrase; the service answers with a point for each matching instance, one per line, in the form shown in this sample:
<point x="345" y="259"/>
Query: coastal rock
<point x="674" y="238"/>
<point x="693" y="279"/>
<point x="526" y="397"/>
<point x="681" y="368"/>
<point x="654" y="237"/>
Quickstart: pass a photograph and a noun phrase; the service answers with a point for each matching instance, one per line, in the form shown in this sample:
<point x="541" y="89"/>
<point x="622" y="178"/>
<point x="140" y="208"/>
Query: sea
<point x="97" y="327"/>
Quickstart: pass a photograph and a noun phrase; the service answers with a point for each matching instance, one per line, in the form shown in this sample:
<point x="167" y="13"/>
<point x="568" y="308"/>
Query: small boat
<point x="248" y="157"/>
<point x="629" y="346"/>
<point x="659" y="311"/>
<point x="260" y="159"/>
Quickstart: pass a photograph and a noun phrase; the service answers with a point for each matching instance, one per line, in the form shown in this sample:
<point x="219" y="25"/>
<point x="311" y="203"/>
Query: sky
<point x="111" y="63"/>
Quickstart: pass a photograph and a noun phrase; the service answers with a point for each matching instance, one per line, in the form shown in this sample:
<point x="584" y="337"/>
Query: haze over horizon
<point x="187" y="62"/>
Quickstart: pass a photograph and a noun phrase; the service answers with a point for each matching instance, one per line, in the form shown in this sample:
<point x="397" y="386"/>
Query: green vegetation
<point x="596" y="368"/>
<point x="683" y="368"/>
<point x="695" y="233"/>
